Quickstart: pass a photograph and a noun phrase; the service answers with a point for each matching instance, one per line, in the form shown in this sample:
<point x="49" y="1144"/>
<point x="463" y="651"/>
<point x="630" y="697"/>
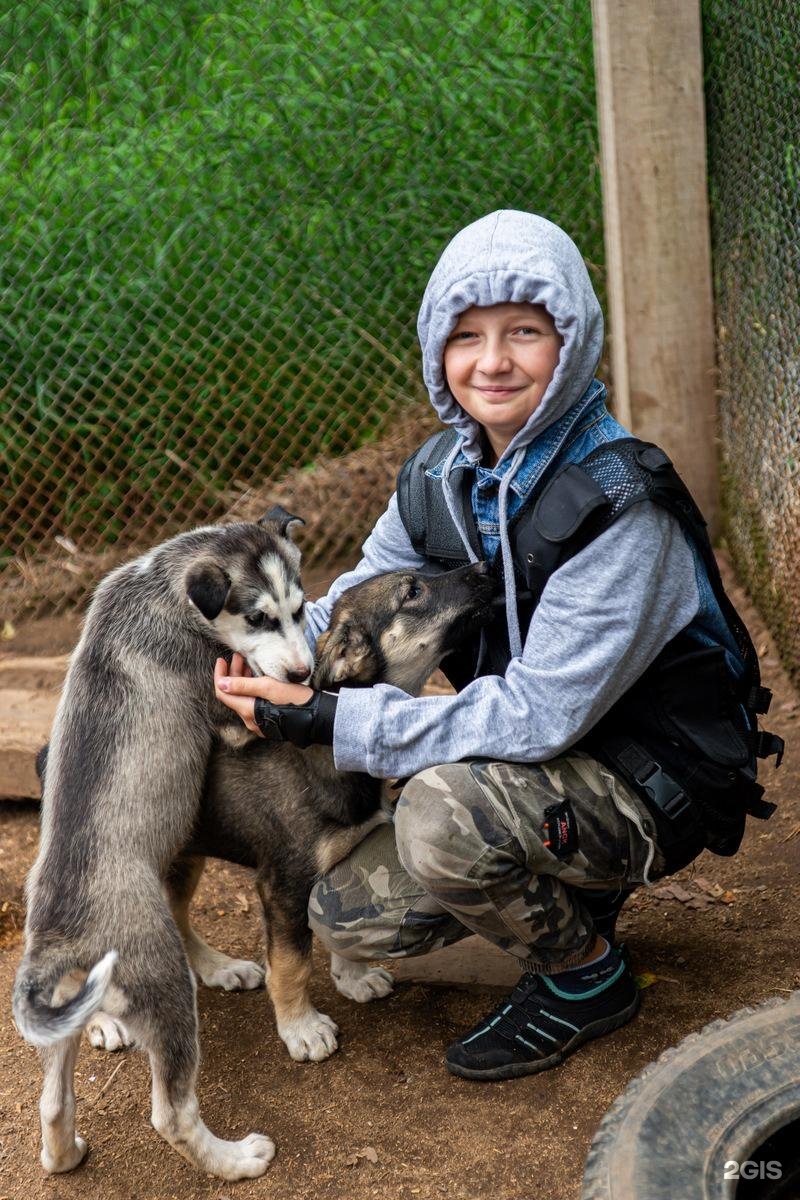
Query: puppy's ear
<point x="345" y="654"/>
<point x="207" y="587"/>
<point x="284" y="521"/>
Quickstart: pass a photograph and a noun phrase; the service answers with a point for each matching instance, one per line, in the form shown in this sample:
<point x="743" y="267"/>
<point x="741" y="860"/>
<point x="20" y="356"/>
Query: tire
<point x="716" y="1097"/>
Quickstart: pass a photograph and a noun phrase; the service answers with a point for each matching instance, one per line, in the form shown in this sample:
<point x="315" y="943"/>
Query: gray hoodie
<point x="603" y="616"/>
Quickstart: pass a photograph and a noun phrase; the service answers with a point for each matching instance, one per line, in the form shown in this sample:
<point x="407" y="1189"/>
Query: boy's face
<point x="499" y="362"/>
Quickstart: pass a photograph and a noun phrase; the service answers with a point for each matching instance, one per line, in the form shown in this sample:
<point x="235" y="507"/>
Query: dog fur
<point x="290" y="816"/>
<point x="125" y="770"/>
<point x="284" y="812"/>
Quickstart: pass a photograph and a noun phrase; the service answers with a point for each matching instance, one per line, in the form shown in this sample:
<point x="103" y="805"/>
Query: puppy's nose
<point x="297" y="675"/>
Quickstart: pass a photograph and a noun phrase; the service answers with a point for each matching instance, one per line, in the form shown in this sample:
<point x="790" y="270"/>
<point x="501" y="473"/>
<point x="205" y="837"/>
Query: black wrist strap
<point x="309" y="724"/>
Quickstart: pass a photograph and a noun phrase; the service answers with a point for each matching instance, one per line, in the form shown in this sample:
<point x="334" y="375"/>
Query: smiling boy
<point x="565" y="770"/>
<point x="499" y="362"/>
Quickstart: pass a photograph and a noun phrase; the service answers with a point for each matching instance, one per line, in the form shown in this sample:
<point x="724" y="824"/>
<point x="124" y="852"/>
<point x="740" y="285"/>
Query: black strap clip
<point x="759" y="700"/>
<point x="762" y="810"/>
<point x="664" y="792"/>
<point x="770" y="743"/>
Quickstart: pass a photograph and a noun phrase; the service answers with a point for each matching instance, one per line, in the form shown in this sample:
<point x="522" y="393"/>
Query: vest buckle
<point x="768" y="744"/>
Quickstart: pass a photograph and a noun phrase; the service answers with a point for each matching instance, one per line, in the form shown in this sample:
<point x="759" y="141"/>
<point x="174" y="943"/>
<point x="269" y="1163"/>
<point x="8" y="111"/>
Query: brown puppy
<point x="288" y="813"/>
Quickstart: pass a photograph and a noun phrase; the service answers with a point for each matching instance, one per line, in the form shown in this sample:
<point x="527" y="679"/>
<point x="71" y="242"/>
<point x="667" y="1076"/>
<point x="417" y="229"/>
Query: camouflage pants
<point x="467" y="853"/>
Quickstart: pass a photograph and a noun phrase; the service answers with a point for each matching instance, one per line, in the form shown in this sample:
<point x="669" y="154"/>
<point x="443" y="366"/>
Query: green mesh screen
<point x="216" y="223"/>
<point x="752" y="52"/>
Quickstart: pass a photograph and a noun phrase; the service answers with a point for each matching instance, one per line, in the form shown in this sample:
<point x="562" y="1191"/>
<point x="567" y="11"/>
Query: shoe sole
<point x="517" y="1070"/>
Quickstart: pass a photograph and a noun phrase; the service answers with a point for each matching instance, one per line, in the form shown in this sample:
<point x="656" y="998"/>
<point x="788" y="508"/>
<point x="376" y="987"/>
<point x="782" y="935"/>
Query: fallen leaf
<point x="8" y="631"/>
<point x="645" y="980"/>
<point x="243" y="901"/>
<point x="663" y="893"/>
<point x="672" y="891"/>
<point x="712" y="889"/>
<point x="368" y="1152"/>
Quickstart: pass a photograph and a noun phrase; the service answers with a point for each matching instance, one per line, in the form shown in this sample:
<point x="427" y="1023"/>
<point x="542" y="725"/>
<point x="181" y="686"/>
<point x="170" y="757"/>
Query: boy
<point x="561" y="774"/>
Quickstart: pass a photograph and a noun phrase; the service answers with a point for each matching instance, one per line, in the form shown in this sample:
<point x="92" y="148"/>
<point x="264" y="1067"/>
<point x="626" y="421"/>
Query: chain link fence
<point x="752" y="52"/>
<point x="216" y="223"/>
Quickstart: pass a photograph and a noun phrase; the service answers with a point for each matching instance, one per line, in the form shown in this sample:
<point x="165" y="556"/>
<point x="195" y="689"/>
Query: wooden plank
<point x="26" y="716"/>
<point x="648" y="60"/>
<point x="29" y="671"/>
<point x="56" y="663"/>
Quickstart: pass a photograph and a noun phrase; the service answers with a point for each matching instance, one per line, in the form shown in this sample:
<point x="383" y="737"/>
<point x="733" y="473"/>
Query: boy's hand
<point x="238" y="689"/>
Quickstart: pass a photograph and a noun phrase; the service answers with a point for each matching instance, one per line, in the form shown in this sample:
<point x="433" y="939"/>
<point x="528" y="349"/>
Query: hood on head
<point x="505" y="257"/>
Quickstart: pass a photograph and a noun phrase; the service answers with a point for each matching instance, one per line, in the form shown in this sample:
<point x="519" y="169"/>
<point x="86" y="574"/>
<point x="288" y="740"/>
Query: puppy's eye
<point x="297" y="615"/>
<point x="414" y="590"/>
<point x="260" y="620"/>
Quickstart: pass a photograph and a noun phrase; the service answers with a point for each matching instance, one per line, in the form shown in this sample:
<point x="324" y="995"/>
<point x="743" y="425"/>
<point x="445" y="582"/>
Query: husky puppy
<point x="290" y="816"/>
<point x="125" y="769"/>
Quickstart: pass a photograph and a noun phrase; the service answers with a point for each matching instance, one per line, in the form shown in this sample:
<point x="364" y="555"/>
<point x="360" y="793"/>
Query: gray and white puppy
<point x="125" y="769"/>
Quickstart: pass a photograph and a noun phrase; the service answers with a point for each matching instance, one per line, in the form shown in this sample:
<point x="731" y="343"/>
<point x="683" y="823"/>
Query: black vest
<point x="686" y="734"/>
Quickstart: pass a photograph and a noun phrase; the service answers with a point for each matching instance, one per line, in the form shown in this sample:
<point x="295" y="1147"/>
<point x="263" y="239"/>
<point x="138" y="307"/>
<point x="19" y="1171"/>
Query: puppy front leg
<point x="211" y="966"/>
<point x="360" y="981"/>
<point x="108" y="1033"/>
<point x="309" y="1035"/>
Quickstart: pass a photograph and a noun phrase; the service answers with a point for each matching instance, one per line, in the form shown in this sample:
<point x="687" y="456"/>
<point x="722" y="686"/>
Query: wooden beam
<point x="648" y="62"/>
<point x="25" y="719"/>
<point x="29" y="690"/>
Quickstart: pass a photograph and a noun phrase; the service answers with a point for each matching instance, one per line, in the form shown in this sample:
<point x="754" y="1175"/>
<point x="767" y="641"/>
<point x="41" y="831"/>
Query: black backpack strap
<point x="668" y="489"/>
<point x="548" y="538"/>
<point x="423" y="509"/>
<point x="581" y="501"/>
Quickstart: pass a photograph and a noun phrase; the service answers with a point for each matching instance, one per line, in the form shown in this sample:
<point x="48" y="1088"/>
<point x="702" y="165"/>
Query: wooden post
<point x="648" y="61"/>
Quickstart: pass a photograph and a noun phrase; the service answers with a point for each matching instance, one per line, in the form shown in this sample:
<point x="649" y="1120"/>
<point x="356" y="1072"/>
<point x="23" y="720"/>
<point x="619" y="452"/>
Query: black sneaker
<point x="538" y="1025"/>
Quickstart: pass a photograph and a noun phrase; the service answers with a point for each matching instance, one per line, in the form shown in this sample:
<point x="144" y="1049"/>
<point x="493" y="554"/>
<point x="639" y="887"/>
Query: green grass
<point x="216" y="226"/>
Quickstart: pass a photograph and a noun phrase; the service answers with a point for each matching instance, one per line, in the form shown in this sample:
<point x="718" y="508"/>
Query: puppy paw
<point x="65" y="1160"/>
<point x="234" y="975"/>
<point x="246" y="1159"/>
<point x="236" y="736"/>
<point x="310" y="1038"/>
<point x="108" y="1033"/>
<point x="360" y="982"/>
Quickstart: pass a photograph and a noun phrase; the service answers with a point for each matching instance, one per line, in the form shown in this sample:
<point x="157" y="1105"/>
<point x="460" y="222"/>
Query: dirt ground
<point x="382" y="1117"/>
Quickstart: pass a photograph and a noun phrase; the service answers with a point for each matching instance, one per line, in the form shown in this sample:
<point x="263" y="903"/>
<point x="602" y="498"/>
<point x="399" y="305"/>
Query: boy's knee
<point x="394" y="918"/>
<point x="443" y="822"/>
<point x="352" y="930"/>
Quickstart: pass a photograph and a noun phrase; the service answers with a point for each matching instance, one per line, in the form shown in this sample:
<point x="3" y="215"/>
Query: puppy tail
<point x="42" y="1024"/>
